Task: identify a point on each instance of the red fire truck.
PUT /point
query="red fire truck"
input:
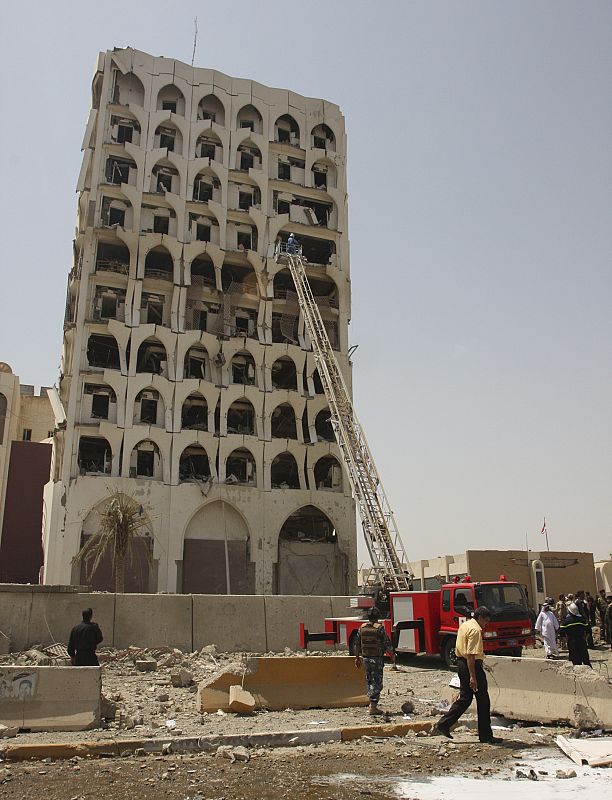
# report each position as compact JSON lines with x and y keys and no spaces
{"x":427,"y":621}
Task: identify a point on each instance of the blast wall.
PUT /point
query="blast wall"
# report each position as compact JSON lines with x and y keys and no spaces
{"x":43,"y":615}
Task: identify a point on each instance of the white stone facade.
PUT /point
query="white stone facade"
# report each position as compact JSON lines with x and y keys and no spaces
{"x":187,"y":377}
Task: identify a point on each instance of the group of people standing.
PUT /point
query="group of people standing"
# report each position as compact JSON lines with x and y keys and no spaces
{"x":573,"y":617}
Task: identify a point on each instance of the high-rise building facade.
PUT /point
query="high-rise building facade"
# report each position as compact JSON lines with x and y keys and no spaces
{"x":187,"y":378}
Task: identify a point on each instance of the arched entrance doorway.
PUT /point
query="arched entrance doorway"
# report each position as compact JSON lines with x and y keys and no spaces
{"x":309,"y":559}
{"x":216,"y":552}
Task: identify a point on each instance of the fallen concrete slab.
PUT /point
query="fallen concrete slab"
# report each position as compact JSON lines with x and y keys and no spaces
{"x":594,"y":752}
{"x":548,"y":691}
{"x":278,"y":683}
{"x":50,"y":698}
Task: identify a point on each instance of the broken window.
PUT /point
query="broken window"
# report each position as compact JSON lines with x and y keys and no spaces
{"x":323,"y":137}
{"x":249,"y":117}
{"x":127,"y":89}
{"x":167,"y":137}
{"x":169,"y":105}
{"x":210,"y":107}
{"x":245,"y":200}
{"x":103,"y":351}
{"x":244,"y":240}
{"x":194,"y":415}
{"x":118,"y":170}
{"x":95,"y":455}
{"x":171,"y":99}
{"x":314,"y":250}
{"x":202,"y":232}
{"x":245,"y":323}
{"x":101,"y":398}
{"x":116,"y":216}
{"x":159,"y":264}
{"x":308,"y":524}
{"x":287,"y":130}
{"x":151,"y":357}
{"x":318,"y":383}
{"x":284,"y":374}
{"x":161,"y":224}
{"x":196,"y":360}
{"x":284,"y":171}
{"x":241,"y":418}
{"x":207,"y":145}
{"x":112,"y":258}
{"x":145,"y":461}
{"x":328,"y":474}
{"x":283,"y":422}
{"x":285,"y":328}
{"x":203,"y":271}
{"x":284,"y":472}
{"x":194,"y":464}
{"x":243,"y":369}
{"x":323,"y":426}
{"x":320,"y":178}
{"x":163,"y":177}
{"x":124,"y":133}
{"x":283,"y":207}
{"x":147,"y":400}
{"x":26,"y":435}
{"x":108,"y":308}
{"x":240,"y":468}
{"x":332,"y":333}
{"x":203,"y":190}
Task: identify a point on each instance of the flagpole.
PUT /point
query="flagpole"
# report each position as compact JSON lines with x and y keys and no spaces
{"x":547,"y":547}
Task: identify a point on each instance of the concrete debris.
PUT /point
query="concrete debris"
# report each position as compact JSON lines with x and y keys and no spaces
{"x":8,"y":733}
{"x":565,"y":773}
{"x":241,"y":701}
{"x":594,"y":752}
{"x":181,"y":678}
{"x":233,"y":753}
{"x":108,"y":707}
{"x":146,"y":664}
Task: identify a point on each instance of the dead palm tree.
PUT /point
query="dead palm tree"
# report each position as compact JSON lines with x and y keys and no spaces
{"x":123,"y":524}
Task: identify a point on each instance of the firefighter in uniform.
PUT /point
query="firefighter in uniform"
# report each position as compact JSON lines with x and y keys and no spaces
{"x":372,"y":644}
{"x":577,"y":631}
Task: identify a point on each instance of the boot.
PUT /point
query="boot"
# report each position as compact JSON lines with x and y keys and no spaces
{"x":374,"y":710}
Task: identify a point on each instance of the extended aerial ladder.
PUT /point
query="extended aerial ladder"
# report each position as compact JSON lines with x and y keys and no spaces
{"x":389,"y":560}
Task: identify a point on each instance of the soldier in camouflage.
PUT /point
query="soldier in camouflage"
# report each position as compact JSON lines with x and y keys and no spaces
{"x":371,"y":646}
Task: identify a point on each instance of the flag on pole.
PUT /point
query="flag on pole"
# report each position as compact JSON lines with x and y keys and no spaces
{"x":544,"y":526}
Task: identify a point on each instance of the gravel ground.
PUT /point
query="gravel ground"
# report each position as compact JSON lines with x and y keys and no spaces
{"x":147,"y":700}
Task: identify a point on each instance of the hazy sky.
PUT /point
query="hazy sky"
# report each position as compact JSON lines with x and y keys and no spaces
{"x":480,"y":173}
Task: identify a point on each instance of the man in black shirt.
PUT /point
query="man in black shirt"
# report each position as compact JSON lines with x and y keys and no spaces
{"x":84,"y":638}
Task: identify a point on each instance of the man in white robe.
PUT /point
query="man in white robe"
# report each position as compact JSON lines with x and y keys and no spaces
{"x":547,"y":626}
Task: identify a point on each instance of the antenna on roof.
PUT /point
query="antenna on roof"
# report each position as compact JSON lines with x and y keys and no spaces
{"x":195,"y":39}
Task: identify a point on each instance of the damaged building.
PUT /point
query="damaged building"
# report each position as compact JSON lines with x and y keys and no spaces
{"x":187,"y":377}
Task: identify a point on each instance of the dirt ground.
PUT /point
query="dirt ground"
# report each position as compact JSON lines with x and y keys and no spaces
{"x":147,"y":701}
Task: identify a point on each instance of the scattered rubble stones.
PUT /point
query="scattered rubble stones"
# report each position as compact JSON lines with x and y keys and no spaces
{"x":181,"y":678}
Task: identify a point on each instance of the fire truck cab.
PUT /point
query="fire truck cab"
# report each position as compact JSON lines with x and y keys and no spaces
{"x":427,"y":621}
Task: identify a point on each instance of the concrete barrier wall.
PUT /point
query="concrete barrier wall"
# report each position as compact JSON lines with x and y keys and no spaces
{"x":50,"y":698}
{"x":42,"y":615}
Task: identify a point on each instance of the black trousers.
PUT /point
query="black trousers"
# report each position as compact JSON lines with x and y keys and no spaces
{"x":466,"y":695}
{"x":86,"y":659}
{"x":578,"y":650}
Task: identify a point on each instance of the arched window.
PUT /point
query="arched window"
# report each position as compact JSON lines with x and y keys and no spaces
{"x":249,"y":117}
{"x":240,"y":468}
{"x":210,"y":107}
{"x":165,"y":178}
{"x":193,"y":465}
{"x":149,"y":408}
{"x":284,"y":374}
{"x":194,"y":414}
{"x":159,"y":264}
{"x":283,"y":422}
{"x":168,"y":137}
{"x":95,"y":456}
{"x":206,"y":186}
{"x":151,"y":357}
{"x":128,"y":89}
{"x":328,"y":474}
{"x":171,"y":99}
{"x":145,"y":461}
{"x":197,"y":364}
{"x":209,"y":145}
{"x":323,"y":426}
{"x":323,"y":137}
{"x":103,"y":352}
{"x":203,"y":271}
{"x":287,"y":131}
{"x":241,"y":418}
{"x":248,"y":156}
{"x":324,"y":175}
{"x":284,"y":472}
{"x":243,"y":369}
{"x":112,"y":258}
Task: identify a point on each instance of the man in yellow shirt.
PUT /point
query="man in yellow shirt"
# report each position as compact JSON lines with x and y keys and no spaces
{"x":470,"y":657}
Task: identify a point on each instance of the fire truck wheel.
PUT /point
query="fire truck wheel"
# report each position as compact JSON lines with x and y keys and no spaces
{"x":448,"y":652}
